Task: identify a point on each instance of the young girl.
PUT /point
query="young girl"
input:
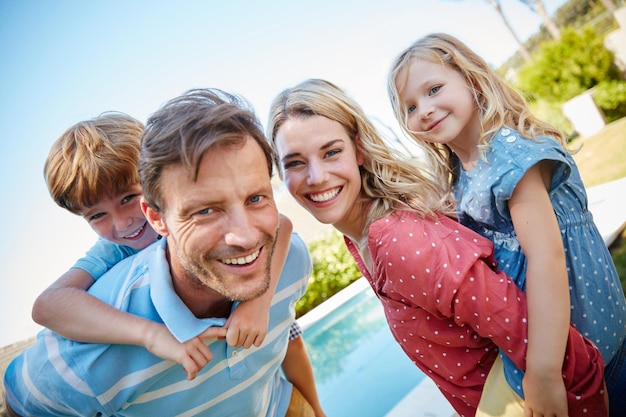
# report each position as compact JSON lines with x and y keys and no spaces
{"x":516,"y":184}
{"x":445,"y":305}
{"x":92,"y":170}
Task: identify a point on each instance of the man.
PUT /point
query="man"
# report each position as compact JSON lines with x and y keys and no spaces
{"x":205,"y":171}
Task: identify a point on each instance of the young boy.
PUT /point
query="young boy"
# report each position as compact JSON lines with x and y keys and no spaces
{"x":92,"y":171}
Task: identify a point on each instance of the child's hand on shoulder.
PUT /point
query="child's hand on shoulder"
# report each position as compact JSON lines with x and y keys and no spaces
{"x":247,"y":325}
{"x":193,"y":354}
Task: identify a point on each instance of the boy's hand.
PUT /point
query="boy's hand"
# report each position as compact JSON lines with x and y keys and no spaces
{"x":193,"y":355}
{"x":248,"y":323}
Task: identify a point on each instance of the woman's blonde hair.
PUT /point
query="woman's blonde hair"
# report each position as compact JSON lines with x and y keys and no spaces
{"x":497,"y":103}
{"x":94,"y":159}
{"x":390,"y":180}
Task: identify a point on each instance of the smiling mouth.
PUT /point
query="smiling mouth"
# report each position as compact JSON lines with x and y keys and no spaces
{"x":435,"y":124}
{"x":136,"y":233}
{"x":325,"y":196}
{"x":242,"y":260}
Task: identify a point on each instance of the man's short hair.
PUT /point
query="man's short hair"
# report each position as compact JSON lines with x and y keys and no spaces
{"x":186,"y":127}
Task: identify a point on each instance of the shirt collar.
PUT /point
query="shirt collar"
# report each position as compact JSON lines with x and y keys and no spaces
{"x":180,"y":321}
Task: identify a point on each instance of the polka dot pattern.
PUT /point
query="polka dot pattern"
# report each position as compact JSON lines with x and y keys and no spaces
{"x":449,"y":309}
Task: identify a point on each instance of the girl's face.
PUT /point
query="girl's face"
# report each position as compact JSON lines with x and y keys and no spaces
{"x":440,"y":104}
{"x":119,"y":219}
{"x":320,"y":167}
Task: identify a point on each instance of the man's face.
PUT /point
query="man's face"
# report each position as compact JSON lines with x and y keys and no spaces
{"x":220,"y":229}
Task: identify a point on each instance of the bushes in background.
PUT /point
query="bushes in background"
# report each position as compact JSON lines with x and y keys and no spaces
{"x":562,"y":69}
{"x":333,"y":269}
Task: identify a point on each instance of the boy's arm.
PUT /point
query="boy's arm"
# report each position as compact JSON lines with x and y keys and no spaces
{"x":299,"y":371}
{"x":67,"y":309}
{"x":547,"y":289}
{"x":248,"y":323}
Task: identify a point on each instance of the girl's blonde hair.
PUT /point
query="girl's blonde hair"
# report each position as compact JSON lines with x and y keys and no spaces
{"x":497,"y":103}
{"x":390,"y":180}
{"x":94,"y":159}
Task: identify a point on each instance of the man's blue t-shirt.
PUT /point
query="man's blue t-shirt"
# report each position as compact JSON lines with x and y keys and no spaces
{"x":60,"y":377}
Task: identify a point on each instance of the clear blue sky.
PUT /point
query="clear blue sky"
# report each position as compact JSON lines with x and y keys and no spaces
{"x":64,"y":61}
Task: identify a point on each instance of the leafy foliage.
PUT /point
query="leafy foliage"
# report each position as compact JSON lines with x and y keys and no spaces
{"x":578,"y":13}
{"x":564,"y":68}
{"x":575,"y":13}
{"x":333,"y":269}
{"x":610,"y":96}
{"x":553,"y":113}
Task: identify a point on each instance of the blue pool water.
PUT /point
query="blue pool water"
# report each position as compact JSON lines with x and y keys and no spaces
{"x":359,"y":368}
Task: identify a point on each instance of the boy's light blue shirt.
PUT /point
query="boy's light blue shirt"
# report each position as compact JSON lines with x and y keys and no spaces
{"x":102,"y":256}
{"x":60,"y":377}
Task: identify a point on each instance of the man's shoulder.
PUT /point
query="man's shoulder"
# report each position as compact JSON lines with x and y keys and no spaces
{"x":296,"y":243}
{"x":298,"y":263}
{"x":298,"y":250}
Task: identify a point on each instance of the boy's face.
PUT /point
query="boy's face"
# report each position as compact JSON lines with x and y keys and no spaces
{"x":119,"y":219}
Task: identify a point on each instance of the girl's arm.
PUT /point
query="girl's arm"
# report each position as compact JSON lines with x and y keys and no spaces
{"x":547,"y":289}
{"x":248,"y":323}
{"x":67,"y":309}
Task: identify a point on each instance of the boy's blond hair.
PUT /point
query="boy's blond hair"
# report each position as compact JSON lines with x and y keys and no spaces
{"x":94,"y":159}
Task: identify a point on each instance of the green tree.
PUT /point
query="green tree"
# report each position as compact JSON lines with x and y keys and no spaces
{"x":609,"y":5}
{"x":610,"y":96}
{"x":564,"y":68}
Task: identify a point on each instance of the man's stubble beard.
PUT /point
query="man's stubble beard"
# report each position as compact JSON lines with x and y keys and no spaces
{"x":195,"y":267}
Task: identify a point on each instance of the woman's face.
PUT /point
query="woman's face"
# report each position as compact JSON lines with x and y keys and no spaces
{"x":320,"y":167}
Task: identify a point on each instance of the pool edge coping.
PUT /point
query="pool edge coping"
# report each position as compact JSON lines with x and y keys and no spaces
{"x":323,"y":309}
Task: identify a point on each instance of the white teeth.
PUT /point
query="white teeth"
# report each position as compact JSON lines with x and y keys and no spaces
{"x":243,"y":260}
{"x":135,"y":234}
{"x":320,"y":198}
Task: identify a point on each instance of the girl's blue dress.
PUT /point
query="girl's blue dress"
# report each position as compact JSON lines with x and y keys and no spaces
{"x":598,"y":306}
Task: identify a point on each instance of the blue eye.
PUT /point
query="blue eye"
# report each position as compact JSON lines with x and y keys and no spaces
{"x":205,"y":211}
{"x":434,"y":90}
{"x":410,"y":109}
{"x":291,"y":164}
{"x":255,"y":199}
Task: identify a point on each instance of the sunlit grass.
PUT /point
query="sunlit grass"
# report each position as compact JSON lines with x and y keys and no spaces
{"x":602,"y":157}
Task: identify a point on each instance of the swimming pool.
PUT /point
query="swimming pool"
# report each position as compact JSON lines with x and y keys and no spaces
{"x":359,"y":368}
